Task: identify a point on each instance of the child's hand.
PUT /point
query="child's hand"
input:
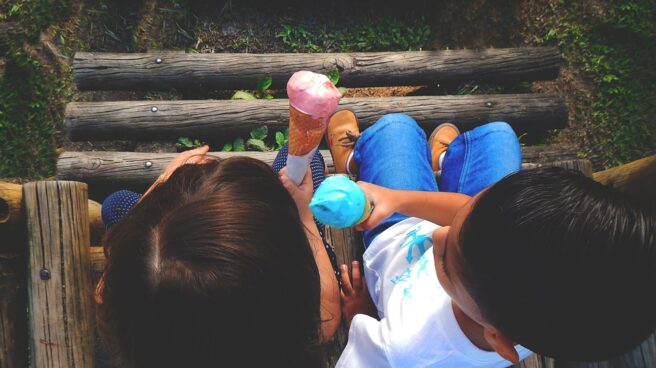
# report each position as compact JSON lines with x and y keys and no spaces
{"x":302,"y":194}
{"x":355,"y":296}
{"x":383,"y":203}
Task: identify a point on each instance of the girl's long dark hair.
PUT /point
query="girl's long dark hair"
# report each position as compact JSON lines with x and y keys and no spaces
{"x":212,"y":268}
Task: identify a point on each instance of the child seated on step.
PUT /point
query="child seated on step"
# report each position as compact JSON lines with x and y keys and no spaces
{"x":217,"y":266}
{"x":498,"y":257}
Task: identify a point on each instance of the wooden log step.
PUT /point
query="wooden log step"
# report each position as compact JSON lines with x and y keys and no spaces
{"x":153,"y":71}
{"x":206,"y":119}
{"x":138,"y":169}
{"x":637,"y":179}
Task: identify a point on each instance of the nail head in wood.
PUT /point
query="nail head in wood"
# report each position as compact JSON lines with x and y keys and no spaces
{"x":154,"y":109}
{"x":158,"y":61}
{"x":44,"y":274}
{"x":488,"y":104}
{"x":148,"y":164}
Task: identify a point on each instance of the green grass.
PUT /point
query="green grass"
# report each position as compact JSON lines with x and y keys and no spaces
{"x":30,"y":96}
{"x":385,"y":35}
{"x":616,"y":51}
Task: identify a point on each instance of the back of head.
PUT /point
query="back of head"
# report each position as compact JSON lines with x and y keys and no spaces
{"x":561,"y":264}
{"x":212,"y":268}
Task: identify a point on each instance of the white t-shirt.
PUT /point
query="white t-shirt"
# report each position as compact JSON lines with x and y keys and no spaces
{"x":417,"y":326}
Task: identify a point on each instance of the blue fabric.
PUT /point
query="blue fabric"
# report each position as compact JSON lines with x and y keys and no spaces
{"x":394,"y":153}
{"x":116,"y":205}
{"x":479,"y":158}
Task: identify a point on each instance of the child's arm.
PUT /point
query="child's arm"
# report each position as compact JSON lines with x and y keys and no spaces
{"x":330,"y":303}
{"x":436,"y":207}
{"x":355,"y":296}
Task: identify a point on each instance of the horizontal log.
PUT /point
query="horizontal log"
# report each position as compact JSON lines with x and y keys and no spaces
{"x":11,"y":196}
{"x":206,"y":119}
{"x":110,"y":71}
{"x":138,"y":169}
{"x":637,"y":179}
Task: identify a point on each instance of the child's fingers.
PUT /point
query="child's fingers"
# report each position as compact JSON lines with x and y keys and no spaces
{"x":355,"y":275}
{"x":346,"y":281}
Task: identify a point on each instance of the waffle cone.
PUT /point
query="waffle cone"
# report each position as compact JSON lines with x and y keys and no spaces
{"x":367,"y":211}
{"x":305,"y":132}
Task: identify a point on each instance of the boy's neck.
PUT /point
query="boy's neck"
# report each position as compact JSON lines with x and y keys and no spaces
{"x":472,"y":329}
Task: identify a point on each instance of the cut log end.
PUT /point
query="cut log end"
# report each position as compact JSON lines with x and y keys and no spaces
{"x":4,"y":211}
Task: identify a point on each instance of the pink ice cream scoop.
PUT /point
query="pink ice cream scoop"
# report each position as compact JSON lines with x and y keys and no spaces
{"x":313,"y":94}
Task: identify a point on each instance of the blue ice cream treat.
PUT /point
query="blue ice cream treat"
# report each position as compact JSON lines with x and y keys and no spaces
{"x":339,"y":202}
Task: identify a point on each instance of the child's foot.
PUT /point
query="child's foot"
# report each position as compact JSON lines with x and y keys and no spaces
{"x":342,"y":133}
{"x":439,"y":141}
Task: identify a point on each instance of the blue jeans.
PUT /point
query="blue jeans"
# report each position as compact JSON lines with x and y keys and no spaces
{"x":394,"y":153}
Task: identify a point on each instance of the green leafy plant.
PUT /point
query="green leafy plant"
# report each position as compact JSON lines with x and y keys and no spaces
{"x":185,"y":144}
{"x":333,"y":75}
{"x":389,"y":35}
{"x":257,"y":141}
{"x":261,"y":91}
{"x":616,"y":55}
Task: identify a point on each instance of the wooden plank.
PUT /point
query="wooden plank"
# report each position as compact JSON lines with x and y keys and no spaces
{"x":13,"y":294}
{"x":137,"y":170}
{"x":61,"y":319}
{"x":108,"y":71}
{"x":152,"y":120}
{"x":348,"y":247}
{"x":11,"y":196}
{"x":637,"y":178}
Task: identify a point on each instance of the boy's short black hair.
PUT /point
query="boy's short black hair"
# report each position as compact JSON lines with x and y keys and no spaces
{"x":562,"y":264}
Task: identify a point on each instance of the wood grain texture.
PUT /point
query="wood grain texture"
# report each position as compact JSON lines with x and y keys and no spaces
{"x":13,"y":284}
{"x":61,"y":321}
{"x":11,"y":196}
{"x":108,"y":71}
{"x":135,"y":120}
{"x":130,"y":170}
{"x":637,"y":179}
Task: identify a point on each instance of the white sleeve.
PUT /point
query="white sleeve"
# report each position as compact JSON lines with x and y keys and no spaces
{"x":365,"y":347}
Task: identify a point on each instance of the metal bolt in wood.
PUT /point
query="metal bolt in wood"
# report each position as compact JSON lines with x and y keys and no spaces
{"x":44,"y":274}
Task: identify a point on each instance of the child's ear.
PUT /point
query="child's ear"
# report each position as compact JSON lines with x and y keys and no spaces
{"x":501,"y":344}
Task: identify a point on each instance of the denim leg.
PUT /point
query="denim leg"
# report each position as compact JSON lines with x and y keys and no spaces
{"x":479,"y":158}
{"x":394,"y":153}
